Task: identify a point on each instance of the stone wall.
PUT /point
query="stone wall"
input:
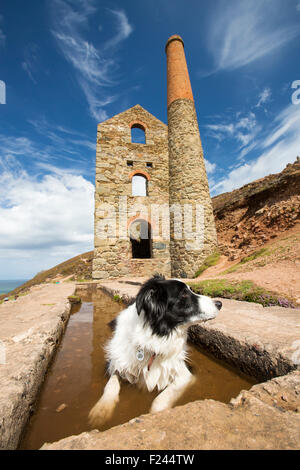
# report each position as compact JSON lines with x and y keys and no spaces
{"x":117,"y":160}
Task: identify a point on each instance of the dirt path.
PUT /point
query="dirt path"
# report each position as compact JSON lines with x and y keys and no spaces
{"x":283,"y":278}
{"x":277,"y":270}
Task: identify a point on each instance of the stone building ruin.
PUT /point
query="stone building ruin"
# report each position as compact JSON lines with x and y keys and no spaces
{"x":142,"y":181}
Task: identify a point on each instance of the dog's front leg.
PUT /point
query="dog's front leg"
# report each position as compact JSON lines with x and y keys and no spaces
{"x":104,"y":407}
{"x":173,"y":392}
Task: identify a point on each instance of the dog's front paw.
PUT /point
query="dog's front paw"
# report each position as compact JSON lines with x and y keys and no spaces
{"x":101,"y":413}
{"x":159,"y":404}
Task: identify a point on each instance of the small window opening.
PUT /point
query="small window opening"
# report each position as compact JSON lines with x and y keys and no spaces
{"x":129,"y":163}
{"x":139,"y":185}
{"x":140,"y":238}
{"x":149,"y":164}
{"x":138,"y":134}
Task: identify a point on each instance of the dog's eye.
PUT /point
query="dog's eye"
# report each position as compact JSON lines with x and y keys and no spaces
{"x":185,"y":294}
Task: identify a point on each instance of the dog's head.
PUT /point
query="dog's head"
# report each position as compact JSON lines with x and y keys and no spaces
{"x":167,"y":304}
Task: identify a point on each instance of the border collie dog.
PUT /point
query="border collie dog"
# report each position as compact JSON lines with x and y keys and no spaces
{"x":149,"y":344}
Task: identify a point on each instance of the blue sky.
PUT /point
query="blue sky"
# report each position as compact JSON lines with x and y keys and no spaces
{"x":69,"y":64}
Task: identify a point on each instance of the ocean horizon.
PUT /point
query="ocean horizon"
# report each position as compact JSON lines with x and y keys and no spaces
{"x":10,"y":284}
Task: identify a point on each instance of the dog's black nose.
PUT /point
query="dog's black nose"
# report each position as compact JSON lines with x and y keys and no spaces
{"x":218,"y":304}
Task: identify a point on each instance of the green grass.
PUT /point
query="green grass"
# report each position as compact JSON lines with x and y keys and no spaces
{"x":117,"y":298}
{"x":256,"y":254}
{"x":246,"y":259}
{"x":211,"y":260}
{"x":240,"y":290}
{"x":221,"y":288}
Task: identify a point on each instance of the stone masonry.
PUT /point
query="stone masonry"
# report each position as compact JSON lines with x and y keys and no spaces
{"x":117,"y":161}
{"x":171,"y":163}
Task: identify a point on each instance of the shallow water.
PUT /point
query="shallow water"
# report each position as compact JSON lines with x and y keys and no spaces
{"x":76,"y":379}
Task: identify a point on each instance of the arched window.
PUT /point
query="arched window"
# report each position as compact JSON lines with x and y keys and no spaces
{"x":138,"y":134}
{"x":140,"y":238}
{"x":139,"y":185}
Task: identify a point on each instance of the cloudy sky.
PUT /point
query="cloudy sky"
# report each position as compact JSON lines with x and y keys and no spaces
{"x":69,"y":64}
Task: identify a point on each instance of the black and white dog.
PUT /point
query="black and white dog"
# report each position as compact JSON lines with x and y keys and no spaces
{"x":149,"y":344}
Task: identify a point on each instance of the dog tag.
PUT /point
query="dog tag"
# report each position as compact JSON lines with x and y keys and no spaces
{"x":140,"y":354}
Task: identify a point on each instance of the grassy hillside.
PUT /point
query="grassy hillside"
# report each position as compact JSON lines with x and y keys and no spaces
{"x":78,"y":268}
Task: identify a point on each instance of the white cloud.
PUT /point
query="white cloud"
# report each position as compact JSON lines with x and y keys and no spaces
{"x":242,"y":130}
{"x":95,"y":70}
{"x":66,"y":143}
{"x":48,"y":218}
{"x":29,"y":62}
{"x":264,"y":97}
{"x":13,"y":146}
{"x":43,"y":221}
{"x":210,"y":167}
{"x":124,"y":29}
{"x":280,"y":147}
{"x":61,"y":147}
{"x":287,"y":125}
{"x":221,"y":128}
{"x":244,"y":31}
{"x":26,"y":65}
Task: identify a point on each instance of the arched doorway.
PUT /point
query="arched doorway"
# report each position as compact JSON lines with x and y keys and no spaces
{"x":140,"y":238}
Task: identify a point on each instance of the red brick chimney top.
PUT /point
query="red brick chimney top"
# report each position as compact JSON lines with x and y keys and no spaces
{"x":178,"y":80}
{"x":175,"y":37}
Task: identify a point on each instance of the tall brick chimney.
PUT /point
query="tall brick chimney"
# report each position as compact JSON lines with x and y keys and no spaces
{"x":188,"y":179}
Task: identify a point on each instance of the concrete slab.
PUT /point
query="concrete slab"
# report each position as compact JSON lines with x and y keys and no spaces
{"x":30,"y":329}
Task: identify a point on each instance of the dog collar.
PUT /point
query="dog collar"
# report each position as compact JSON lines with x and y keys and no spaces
{"x":151,"y":360}
{"x":140,"y":357}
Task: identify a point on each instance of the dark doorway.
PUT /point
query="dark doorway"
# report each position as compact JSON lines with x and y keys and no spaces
{"x":140,"y":237}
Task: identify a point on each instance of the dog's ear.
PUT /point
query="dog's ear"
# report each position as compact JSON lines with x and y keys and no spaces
{"x":152,"y":299}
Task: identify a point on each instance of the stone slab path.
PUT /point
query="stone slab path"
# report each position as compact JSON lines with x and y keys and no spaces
{"x":30,"y":329}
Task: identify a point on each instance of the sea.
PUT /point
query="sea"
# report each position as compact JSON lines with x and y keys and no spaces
{"x":7,"y":286}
